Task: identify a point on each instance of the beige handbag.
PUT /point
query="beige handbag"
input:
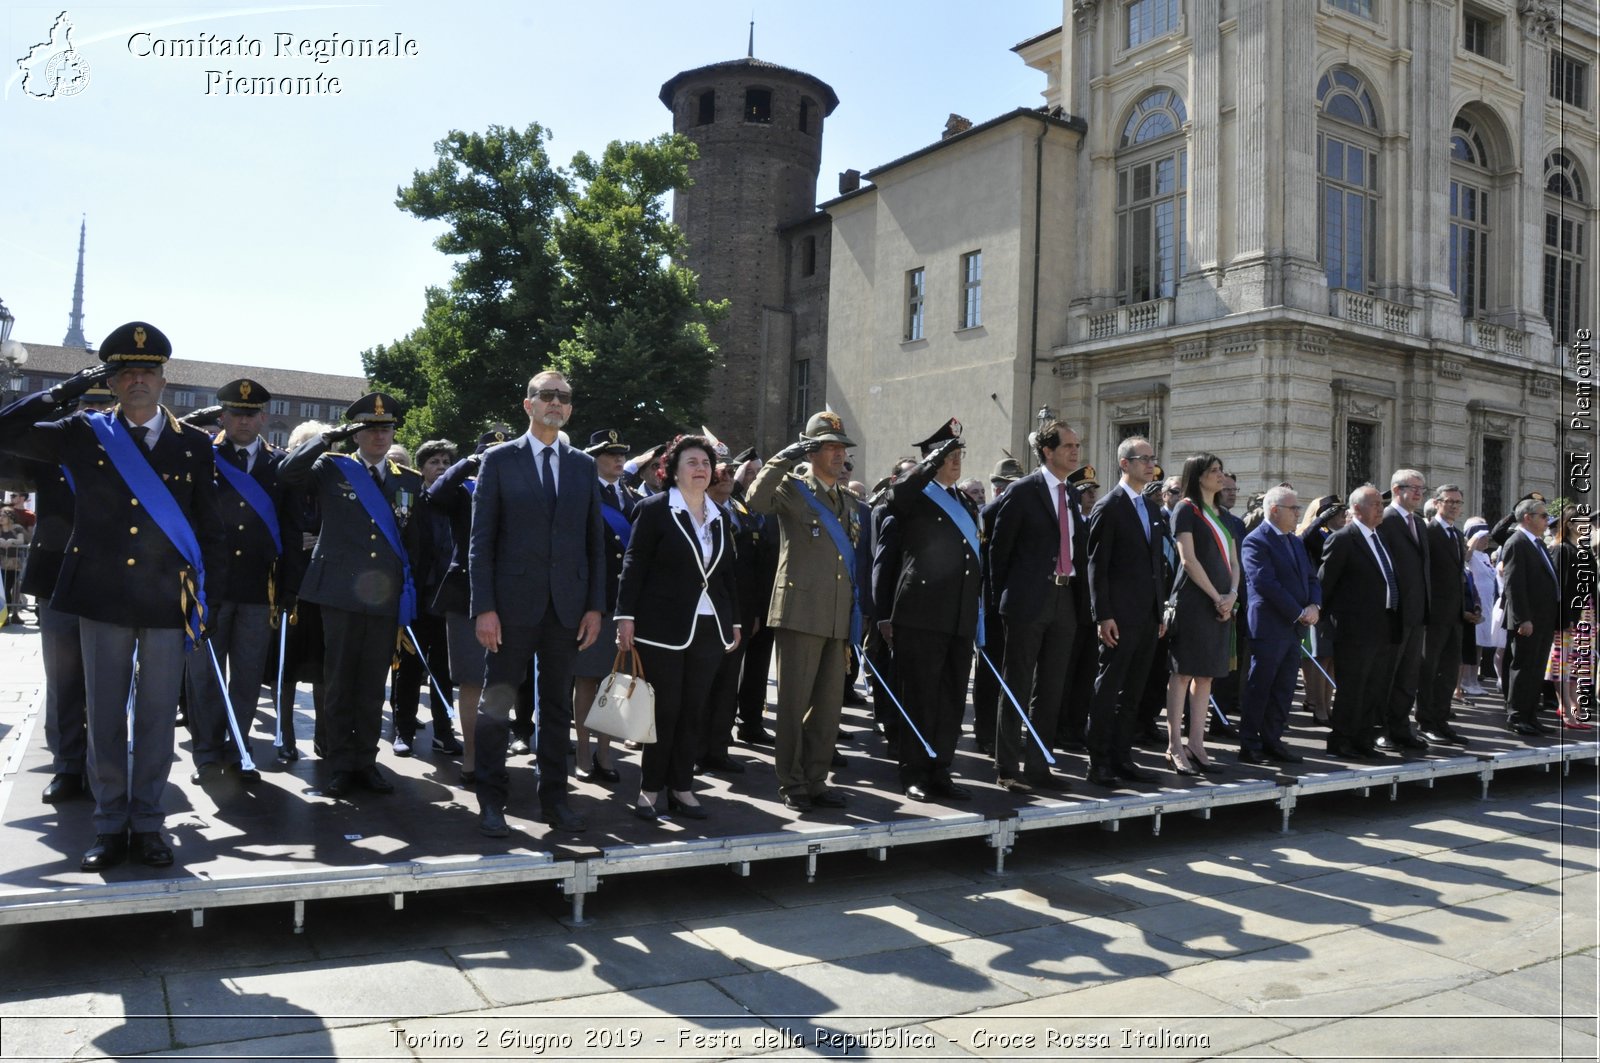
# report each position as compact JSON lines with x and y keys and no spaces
{"x":625,"y":707}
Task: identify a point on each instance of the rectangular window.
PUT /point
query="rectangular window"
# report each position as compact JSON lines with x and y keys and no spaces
{"x":1149,"y":19}
{"x":916,"y":290}
{"x":1360,"y":454}
{"x":808,"y":256}
{"x":1355,"y":7}
{"x":183,"y":398}
{"x":758,"y":105}
{"x":310,"y":410}
{"x":1126,"y":429}
{"x":1480,"y":33}
{"x":1494,"y":475}
{"x":800,"y":392}
{"x":1469,"y":247}
{"x":706,"y":108}
{"x":1348,"y":209}
{"x":278,"y":437}
{"x":279,"y":406}
{"x":972,"y":289}
{"x":1569,"y":80}
{"x":1563,"y":275}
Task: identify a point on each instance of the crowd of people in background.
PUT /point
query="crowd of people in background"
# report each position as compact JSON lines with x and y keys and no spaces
{"x":504,"y":584}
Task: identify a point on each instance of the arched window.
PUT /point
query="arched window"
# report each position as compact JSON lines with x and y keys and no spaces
{"x":1347,"y":169}
{"x":1470,"y":230}
{"x":1152,"y":174}
{"x":1565,"y":211}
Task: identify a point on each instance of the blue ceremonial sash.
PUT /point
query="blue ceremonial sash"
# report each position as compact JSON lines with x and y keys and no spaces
{"x":940,"y":496}
{"x":146,"y":485}
{"x":618,"y":522}
{"x":847,"y":551}
{"x":251,"y":492}
{"x":377,"y":507}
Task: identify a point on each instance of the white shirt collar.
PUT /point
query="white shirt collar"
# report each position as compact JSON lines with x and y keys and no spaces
{"x":1128,"y":488}
{"x":676,"y":501}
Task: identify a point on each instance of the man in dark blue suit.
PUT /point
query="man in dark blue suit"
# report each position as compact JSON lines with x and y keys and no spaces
{"x":1285,"y":599}
{"x":1362,"y":593}
{"x":538,"y":571}
{"x":1126,"y":567}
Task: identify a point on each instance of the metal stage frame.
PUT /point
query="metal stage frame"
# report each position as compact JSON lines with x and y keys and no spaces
{"x":580,"y":877}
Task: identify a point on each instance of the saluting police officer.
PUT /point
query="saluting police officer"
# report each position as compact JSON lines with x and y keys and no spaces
{"x":937,"y":605}
{"x":66,"y":728}
{"x":146,"y":547}
{"x":362,"y":573}
{"x":240,"y":626}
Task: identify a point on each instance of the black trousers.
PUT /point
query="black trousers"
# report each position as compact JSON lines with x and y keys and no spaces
{"x":357,"y":651}
{"x":1038,"y":661}
{"x":1364,"y":671}
{"x":66,"y":716}
{"x":1441,"y":671}
{"x":885,"y":689}
{"x":303,"y":652}
{"x":1526,"y":657}
{"x":1118,"y":688}
{"x":555,"y":646}
{"x":722,"y":705}
{"x":1072,"y":722}
{"x":753,"y":677}
{"x":932,"y":667}
{"x":986,"y":696}
{"x":411,"y":677}
{"x":1403,"y":684}
{"x":682,"y":681}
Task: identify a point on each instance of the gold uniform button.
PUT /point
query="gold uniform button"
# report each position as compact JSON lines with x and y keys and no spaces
{"x":135,"y":501}
{"x":241,"y":527}
{"x":372,"y":537}
{"x":99,"y":463}
{"x":133,"y":531}
{"x":372,"y":555}
{"x":238,"y":553}
{"x":130,"y":561}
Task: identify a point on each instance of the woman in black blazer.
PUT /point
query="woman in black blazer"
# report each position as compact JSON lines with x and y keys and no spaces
{"x":678,"y":603}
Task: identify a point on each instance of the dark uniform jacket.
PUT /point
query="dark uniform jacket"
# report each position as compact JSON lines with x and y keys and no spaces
{"x":940,"y":585}
{"x":353,"y":566}
{"x":119,"y":567}
{"x":754,"y":592}
{"x":53,"y":505}
{"x":253,"y":557}
{"x":614,"y":548}
{"x":450,"y":497}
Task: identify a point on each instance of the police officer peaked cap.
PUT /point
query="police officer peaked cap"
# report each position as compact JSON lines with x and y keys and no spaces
{"x":951,"y":429}
{"x":747,"y":454}
{"x":827,"y":428}
{"x":606,"y":441}
{"x":374,"y":409}
{"x":1006,"y":470}
{"x":493,"y":437}
{"x":136,"y":343}
{"x":244,"y":395}
{"x":1083,"y":476}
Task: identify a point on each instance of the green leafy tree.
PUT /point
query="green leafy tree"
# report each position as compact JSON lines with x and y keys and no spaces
{"x":568,"y":268}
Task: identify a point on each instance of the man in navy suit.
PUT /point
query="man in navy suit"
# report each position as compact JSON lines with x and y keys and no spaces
{"x":1362,"y":594}
{"x":1407,"y":542}
{"x":1532,"y":602}
{"x":538,"y":571}
{"x":1038,"y":564}
{"x":1285,"y":599}
{"x":1125,"y":596}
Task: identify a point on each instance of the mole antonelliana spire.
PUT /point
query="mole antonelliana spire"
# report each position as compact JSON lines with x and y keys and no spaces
{"x":74,"y":337}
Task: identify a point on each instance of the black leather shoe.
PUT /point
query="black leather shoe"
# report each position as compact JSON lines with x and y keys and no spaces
{"x":829,"y":799}
{"x":1131,"y":772}
{"x":755,"y":736}
{"x":1411,"y":741}
{"x":150,"y":849}
{"x":917,"y":792}
{"x":244,"y":774}
{"x":722,"y":764}
{"x":1250,"y":756}
{"x":947,"y":789}
{"x":340,"y":784}
{"x":1367,"y":749}
{"x":373,"y":778}
{"x":108,"y":851}
{"x":679,"y":808}
{"x":402,"y":745}
{"x":64,"y":787}
{"x":205,"y":774}
{"x":1345,"y":750}
{"x":288,"y":754}
{"x":644,"y":812}
{"x":1223,"y":730}
{"x":1523,"y":727}
{"x":492,"y":822}
{"x":1045,"y":780}
{"x":1386,"y":744}
{"x":1104,"y":777}
{"x":519,"y":747}
{"x":1444,"y":736}
{"x":448,"y":744}
{"x":597,"y":771}
{"x":562,"y":818}
{"x":467,"y":777}
{"x":1284,"y":755}
{"x":797,"y":803}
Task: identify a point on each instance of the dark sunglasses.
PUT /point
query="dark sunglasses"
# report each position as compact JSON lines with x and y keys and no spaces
{"x":553,"y":395}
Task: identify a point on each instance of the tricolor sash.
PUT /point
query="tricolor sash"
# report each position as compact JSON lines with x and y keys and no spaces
{"x":617,"y":521}
{"x":252,"y":492}
{"x":146,"y":485}
{"x":382,"y":515}
{"x":964,"y":523}
{"x":847,"y":552}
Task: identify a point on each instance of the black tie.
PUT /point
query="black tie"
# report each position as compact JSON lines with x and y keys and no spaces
{"x":241,"y":458}
{"x":616,"y":495}
{"x":377,"y":477}
{"x":141,"y":435}
{"x":550,"y":481}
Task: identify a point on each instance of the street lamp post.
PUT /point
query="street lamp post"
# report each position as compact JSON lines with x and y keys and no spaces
{"x":14,"y":354}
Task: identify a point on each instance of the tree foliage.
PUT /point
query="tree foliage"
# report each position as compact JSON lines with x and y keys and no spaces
{"x":567,"y":267}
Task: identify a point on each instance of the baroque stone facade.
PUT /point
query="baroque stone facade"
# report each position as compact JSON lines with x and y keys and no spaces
{"x":1320,"y":238}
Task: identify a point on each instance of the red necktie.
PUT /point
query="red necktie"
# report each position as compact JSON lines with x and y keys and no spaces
{"x":1064,"y":556}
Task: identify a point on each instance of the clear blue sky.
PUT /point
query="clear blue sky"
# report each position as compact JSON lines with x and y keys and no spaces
{"x":262,"y":230}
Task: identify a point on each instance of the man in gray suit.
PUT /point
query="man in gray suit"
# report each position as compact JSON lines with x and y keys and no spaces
{"x":538,"y":571}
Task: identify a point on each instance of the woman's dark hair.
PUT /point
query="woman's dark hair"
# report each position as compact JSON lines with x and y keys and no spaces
{"x":1566,"y":530}
{"x":433,"y":447}
{"x":667,"y":468}
{"x":1193,"y":469}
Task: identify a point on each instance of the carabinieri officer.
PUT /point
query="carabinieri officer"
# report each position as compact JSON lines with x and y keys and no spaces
{"x":361,"y":573}
{"x":146,"y":548}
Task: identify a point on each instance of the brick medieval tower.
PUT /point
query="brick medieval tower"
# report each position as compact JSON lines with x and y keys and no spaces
{"x":751,"y":223}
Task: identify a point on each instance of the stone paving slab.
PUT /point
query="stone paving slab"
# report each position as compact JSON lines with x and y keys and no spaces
{"x":795,"y":936}
{"x":1558,"y":988}
{"x":1451,"y":1025}
{"x":72,"y":1023}
{"x":1018,"y":903}
{"x":1248,"y":921}
{"x":589,"y":961}
{"x":1505,"y":931}
{"x":1406,"y":887}
{"x":375,"y":1041}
